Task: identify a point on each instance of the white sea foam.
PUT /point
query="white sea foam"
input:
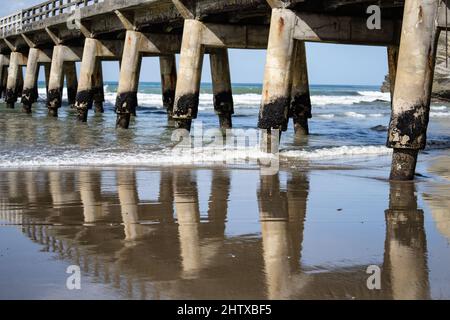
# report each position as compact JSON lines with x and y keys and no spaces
{"x":438,"y":108}
{"x":338,"y":152}
{"x":168,"y":157}
{"x":246,"y":100}
{"x":440,"y":114}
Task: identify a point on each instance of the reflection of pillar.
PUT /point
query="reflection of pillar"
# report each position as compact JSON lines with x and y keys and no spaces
{"x":406,"y":248}
{"x":297,"y":197}
{"x":218,"y":201}
{"x":90,"y":195}
{"x":128,"y":197}
{"x":188,"y":215}
{"x":166,"y":195}
{"x":31,"y":187}
{"x":275,"y":235}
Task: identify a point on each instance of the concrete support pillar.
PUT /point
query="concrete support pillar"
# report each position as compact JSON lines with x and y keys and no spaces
{"x":126,"y":102}
{"x":406,"y":247}
{"x":300,"y":109}
{"x":84,"y":98}
{"x":4,"y":64}
{"x":392,"y":53}
{"x":189,"y":75}
{"x":168,"y":81}
{"x":277,"y":84}
{"x":56,"y":82}
{"x":70,"y":71}
{"x":221,"y":80}
{"x":30,"y":90}
{"x":98,"y":90}
{"x":47,"y":69}
{"x":13,"y":86}
{"x":413,"y":83}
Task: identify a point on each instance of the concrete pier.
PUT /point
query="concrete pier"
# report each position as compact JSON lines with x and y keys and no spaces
{"x":412,"y":93}
{"x":130,"y":30}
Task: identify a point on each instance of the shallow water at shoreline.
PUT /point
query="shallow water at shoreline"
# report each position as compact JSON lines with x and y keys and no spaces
{"x":221,"y":233}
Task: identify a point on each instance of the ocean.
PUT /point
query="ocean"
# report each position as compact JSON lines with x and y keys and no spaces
{"x":349,"y":123}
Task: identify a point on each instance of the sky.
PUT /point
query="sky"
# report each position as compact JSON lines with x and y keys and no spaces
{"x":327,"y":63}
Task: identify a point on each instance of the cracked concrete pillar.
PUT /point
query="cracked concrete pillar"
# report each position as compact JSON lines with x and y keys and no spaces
{"x":13,"y":86}
{"x":221,"y":81}
{"x":277,"y":84}
{"x":189,"y":75}
{"x":300,"y":108}
{"x":30,"y":90}
{"x":98,"y":90}
{"x":168,"y":81}
{"x":126,"y":102}
{"x":84,"y":98}
{"x":413,"y":83}
{"x":56,"y":81}
{"x":70,"y":71}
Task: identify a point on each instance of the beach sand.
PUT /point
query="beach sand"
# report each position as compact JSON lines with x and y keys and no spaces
{"x":221,"y":233}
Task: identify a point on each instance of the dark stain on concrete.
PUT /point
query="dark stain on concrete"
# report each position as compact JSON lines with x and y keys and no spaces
{"x":274,"y":115}
{"x":187,"y":106}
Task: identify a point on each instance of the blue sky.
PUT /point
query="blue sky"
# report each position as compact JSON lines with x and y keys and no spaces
{"x":327,"y":63}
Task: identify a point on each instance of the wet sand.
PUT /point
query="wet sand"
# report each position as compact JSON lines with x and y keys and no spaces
{"x":217,"y":233}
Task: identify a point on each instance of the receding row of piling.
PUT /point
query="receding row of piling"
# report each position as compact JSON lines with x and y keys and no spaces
{"x":285,"y":93}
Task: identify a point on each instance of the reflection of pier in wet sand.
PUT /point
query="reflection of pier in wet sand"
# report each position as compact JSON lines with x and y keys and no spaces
{"x":177,"y":245}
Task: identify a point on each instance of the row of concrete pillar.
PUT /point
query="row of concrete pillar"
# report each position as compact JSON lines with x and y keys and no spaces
{"x":285,"y":91}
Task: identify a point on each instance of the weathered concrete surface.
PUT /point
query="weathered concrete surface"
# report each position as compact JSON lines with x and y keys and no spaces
{"x":276,"y":95}
{"x":300,"y":108}
{"x":190,"y":70}
{"x":221,"y":81}
{"x":441,"y":82}
{"x":15,"y":78}
{"x":168,"y":69}
{"x":412,"y":95}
